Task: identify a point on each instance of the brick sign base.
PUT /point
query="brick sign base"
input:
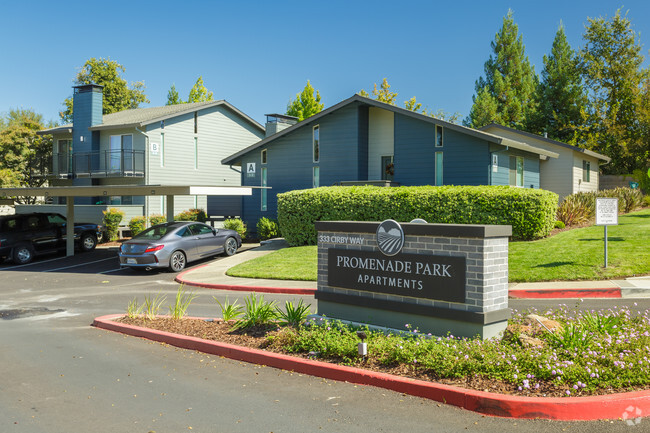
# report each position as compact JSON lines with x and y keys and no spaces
{"x":447,"y":278}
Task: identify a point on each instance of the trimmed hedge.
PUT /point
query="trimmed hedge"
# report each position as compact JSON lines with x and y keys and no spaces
{"x":530,"y":212}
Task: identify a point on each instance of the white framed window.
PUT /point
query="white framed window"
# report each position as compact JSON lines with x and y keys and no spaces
{"x":264,"y":174}
{"x":120,"y":155}
{"x":263,"y":156}
{"x":316,"y":177}
{"x":439,"y":167}
{"x":439,"y":136}
{"x":516,"y":172}
{"x":196,"y":122}
{"x":387,"y":167}
{"x":586,"y":169}
{"x":316,"y":143}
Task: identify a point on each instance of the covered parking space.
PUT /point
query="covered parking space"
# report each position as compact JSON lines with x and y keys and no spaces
{"x":169,"y":191}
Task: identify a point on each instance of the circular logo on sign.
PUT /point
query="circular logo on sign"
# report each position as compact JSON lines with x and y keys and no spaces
{"x":390,"y":237}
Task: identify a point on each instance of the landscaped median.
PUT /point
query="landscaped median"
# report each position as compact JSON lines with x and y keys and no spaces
{"x":584,"y":366}
{"x":613,"y":406}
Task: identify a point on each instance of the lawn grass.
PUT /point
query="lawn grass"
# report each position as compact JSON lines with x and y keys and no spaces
{"x":579,"y":254}
{"x":297,"y":263}
{"x":571,"y":255}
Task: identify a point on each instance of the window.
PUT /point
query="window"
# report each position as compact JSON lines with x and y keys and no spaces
{"x":162,"y":124}
{"x":438,"y":136}
{"x":439,"y":178}
{"x":387,"y":168}
{"x":64,"y":157}
{"x":316,"y":177}
{"x":196,"y":153}
{"x":196,"y":122}
{"x":162,"y":150}
{"x":264,"y":197}
{"x":516,"y":173}
{"x":121,"y":152}
{"x":586,"y":169}
{"x":200,"y":229}
{"x":263,"y":156}
{"x":316,"y":143}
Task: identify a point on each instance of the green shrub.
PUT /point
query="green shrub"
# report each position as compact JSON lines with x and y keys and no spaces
{"x":530,"y":212}
{"x":646,"y":200}
{"x":559,"y":225}
{"x":577,"y":208}
{"x":192,"y":215}
{"x":237,"y":225}
{"x":136,"y":225}
{"x":267,"y":229}
{"x":157,"y":219}
{"x":112,"y":219}
{"x":628,"y":198}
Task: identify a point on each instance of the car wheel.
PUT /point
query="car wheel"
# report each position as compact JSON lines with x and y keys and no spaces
{"x":177,"y":261}
{"x":88,"y":242}
{"x":23,"y":254}
{"x":230,"y":247}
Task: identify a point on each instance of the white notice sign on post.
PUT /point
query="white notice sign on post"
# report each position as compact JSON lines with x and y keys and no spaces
{"x":606,"y":211}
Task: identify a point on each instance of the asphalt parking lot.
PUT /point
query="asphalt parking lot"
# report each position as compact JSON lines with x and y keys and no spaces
{"x":57,"y":373}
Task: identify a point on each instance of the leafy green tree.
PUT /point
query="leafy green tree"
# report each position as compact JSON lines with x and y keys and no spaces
{"x":611,"y":65}
{"x":509,"y":82}
{"x":117,"y":94}
{"x":306,"y":104}
{"x":383,"y":94}
{"x":560,"y":96}
{"x":199,"y":93}
{"x":172,"y":96}
{"x":25,"y":153}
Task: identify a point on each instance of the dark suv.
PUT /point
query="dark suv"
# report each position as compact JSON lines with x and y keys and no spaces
{"x":22,"y":236}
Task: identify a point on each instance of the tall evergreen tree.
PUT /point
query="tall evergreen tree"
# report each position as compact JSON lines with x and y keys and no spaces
{"x":173,"y":98}
{"x":306,"y":104}
{"x":611,"y":63}
{"x":560,"y":97}
{"x":509,"y":82}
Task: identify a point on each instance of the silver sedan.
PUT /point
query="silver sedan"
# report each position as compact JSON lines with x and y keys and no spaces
{"x":172,"y":245}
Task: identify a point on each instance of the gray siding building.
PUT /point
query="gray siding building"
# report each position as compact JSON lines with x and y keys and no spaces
{"x":361,"y":140}
{"x":171,"y":145}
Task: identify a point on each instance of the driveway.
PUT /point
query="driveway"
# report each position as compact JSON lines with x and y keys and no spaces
{"x":58,"y":374}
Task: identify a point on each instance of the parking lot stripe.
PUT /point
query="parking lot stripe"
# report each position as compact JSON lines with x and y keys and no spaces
{"x":32,"y":263}
{"x":80,"y":264}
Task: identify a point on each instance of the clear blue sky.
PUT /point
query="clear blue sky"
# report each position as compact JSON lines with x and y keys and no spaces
{"x":258,"y":55}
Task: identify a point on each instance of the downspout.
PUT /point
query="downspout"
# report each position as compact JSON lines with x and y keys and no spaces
{"x":146,"y":175}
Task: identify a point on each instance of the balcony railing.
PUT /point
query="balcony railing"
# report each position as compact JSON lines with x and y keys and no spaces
{"x":108,"y":163}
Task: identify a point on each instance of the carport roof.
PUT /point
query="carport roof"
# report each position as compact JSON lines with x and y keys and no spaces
{"x":98,"y":190}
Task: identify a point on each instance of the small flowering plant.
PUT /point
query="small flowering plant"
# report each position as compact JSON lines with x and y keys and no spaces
{"x":591,"y":353}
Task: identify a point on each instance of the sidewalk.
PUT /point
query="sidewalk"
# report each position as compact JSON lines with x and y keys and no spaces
{"x":213,"y":276}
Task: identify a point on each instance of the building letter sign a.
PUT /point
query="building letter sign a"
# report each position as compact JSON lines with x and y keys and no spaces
{"x":250,"y":169}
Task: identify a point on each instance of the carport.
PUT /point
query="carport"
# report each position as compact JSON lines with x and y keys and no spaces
{"x":169,"y":191}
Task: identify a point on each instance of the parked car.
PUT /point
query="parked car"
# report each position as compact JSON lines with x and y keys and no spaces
{"x":174,"y":244}
{"x":23,"y":236}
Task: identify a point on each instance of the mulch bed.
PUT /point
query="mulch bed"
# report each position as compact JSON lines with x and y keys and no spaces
{"x":217,"y":330}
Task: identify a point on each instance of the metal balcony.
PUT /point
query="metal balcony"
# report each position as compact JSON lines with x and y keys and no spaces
{"x":108,"y":163}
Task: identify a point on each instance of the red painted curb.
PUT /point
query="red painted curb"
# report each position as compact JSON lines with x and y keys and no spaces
{"x":565,"y":409}
{"x":564,"y":293}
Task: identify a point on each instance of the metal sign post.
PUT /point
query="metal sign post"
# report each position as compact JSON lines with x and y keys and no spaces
{"x":606,"y":215}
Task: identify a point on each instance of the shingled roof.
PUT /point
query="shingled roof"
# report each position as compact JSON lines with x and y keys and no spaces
{"x":144,"y":116}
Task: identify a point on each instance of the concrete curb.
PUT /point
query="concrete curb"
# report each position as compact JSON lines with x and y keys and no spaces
{"x":181,"y":278}
{"x":565,"y":409}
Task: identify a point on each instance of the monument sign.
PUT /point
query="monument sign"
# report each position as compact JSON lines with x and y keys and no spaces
{"x":438,"y":278}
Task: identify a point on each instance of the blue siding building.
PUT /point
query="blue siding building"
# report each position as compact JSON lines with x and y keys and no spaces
{"x":361,"y":140}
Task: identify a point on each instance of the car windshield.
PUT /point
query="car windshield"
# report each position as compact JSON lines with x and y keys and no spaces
{"x":154,"y":233}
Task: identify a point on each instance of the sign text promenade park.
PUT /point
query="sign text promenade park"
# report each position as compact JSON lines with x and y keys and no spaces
{"x":438,"y":277}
